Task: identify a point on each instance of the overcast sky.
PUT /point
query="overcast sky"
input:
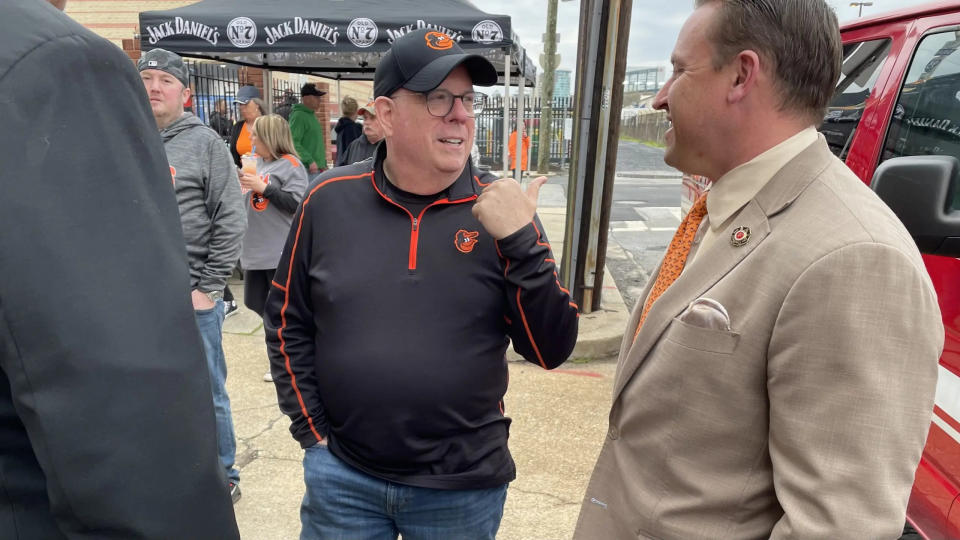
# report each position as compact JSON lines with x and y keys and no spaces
{"x":654,"y":25}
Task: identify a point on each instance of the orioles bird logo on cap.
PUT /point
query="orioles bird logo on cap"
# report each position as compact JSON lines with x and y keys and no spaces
{"x":438,"y":41}
{"x":466,"y":240}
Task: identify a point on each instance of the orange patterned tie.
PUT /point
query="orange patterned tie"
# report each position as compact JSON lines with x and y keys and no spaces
{"x":676,"y":255}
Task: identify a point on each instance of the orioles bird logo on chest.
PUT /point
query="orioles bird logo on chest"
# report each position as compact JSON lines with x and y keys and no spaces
{"x":466,"y":240}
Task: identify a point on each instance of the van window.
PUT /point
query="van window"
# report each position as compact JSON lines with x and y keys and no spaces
{"x":858,"y":75}
{"x":926,"y":120}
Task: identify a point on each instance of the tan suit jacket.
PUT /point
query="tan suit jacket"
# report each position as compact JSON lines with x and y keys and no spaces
{"x":807,"y":418}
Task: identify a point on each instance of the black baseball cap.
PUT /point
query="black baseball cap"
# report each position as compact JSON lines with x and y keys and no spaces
{"x":422,"y":59}
{"x":310,"y":89}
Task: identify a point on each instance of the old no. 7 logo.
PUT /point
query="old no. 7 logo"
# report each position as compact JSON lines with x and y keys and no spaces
{"x":466,"y":240}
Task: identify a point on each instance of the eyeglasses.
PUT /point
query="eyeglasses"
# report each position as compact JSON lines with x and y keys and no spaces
{"x":440,"y":102}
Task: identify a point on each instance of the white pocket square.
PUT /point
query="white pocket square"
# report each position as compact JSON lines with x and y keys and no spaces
{"x":706,"y":313}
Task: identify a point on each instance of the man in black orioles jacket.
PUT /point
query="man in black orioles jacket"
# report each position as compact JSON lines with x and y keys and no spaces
{"x":401,"y":281}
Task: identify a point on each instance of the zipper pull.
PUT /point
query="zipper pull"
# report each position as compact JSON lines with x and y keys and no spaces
{"x":415,"y":223}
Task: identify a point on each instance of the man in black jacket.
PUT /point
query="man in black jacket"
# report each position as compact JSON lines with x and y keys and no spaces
{"x":105,"y":409}
{"x":220,"y":119}
{"x":401,"y":284}
{"x":347,"y":128}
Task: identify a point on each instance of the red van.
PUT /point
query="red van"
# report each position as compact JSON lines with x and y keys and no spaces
{"x":895,"y":121}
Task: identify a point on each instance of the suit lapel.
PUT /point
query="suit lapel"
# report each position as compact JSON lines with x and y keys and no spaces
{"x":631,"y":328}
{"x":707,"y":269}
{"x":718,"y":259}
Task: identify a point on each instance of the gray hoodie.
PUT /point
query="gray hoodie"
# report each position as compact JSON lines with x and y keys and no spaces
{"x":208,"y":194}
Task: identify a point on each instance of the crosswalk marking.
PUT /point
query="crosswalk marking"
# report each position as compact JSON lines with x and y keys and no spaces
{"x":666,"y":218}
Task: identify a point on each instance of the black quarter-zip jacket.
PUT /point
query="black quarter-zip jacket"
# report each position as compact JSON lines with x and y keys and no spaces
{"x":387,"y":330}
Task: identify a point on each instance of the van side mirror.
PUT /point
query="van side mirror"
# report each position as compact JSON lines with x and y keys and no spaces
{"x":920,"y":190}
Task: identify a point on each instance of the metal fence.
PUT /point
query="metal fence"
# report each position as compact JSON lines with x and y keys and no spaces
{"x":212,"y":82}
{"x":285,"y":95}
{"x":645,"y":125}
{"x":490,"y":132}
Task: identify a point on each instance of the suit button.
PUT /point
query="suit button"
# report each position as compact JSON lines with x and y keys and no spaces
{"x":614,"y":433}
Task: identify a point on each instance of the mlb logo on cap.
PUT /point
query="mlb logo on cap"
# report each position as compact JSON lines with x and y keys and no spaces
{"x":152,"y":63}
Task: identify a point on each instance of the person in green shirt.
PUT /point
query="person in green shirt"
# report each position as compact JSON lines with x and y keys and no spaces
{"x":306,"y":129}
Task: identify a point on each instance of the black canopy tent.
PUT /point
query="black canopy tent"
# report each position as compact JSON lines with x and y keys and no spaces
{"x":335,"y":39}
{"x":329,"y":38}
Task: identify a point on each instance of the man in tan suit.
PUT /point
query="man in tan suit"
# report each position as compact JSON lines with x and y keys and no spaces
{"x":781,"y":386}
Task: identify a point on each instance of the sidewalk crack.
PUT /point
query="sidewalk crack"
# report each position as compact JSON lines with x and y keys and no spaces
{"x":558,"y":501}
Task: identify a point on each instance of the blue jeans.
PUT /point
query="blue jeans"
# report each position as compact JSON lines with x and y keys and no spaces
{"x":344,"y":503}
{"x":210,"y":323}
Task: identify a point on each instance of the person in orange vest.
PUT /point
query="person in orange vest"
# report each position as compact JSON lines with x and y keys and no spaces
{"x":512,"y":151}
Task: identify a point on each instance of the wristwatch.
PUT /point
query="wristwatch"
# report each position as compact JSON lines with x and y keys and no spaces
{"x":213,"y":295}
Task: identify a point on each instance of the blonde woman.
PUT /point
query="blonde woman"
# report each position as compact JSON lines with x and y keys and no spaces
{"x":275,"y":192}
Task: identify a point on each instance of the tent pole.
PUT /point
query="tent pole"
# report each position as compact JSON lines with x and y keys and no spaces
{"x":521,"y":110}
{"x":506,"y":112}
{"x":268,"y":90}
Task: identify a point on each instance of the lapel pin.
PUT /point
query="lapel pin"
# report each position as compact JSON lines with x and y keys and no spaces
{"x":740,"y":236}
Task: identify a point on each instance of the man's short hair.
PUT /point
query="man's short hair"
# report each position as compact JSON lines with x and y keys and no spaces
{"x":348,"y":106}
{"x":800,"y":39}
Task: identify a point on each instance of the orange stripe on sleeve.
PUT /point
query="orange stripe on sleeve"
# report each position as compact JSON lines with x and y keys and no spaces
{"x":526,"y":327}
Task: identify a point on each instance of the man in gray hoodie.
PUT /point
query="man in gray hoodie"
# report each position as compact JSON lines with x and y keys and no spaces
{"x":212,"y":216}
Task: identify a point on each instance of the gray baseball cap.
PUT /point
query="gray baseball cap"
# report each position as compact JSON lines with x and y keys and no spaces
{"x":167,"y":61}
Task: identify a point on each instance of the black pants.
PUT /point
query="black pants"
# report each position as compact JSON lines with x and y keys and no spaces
{"x":256,"y":285}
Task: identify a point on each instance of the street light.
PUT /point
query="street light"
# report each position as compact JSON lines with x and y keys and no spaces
{"x":860,"y":5}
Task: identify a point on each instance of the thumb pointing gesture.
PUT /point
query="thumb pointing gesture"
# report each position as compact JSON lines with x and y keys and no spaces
{"x":504,"y":208}
{"x":533,"y":189}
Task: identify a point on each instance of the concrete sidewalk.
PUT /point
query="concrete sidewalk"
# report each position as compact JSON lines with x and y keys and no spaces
{"x":559,"y":421}
{"x":600,"y":331}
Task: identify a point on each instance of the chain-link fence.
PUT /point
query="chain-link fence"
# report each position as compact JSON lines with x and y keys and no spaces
{"x":645,"y":125}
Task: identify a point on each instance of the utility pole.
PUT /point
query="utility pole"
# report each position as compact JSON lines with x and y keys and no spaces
{"x":601,"y":67}
{"x":549,"y":61}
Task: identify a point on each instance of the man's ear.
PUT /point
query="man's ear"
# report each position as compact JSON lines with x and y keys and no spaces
{"x":185,"y":96}
{"x":746,"y":71}
{"x":386,"y":114}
